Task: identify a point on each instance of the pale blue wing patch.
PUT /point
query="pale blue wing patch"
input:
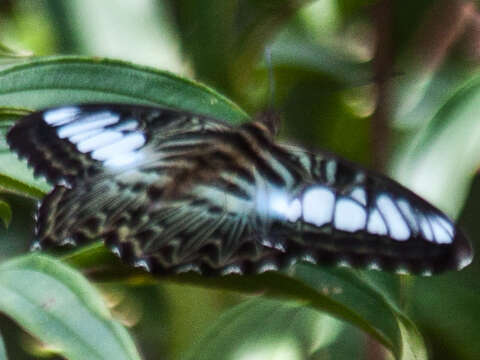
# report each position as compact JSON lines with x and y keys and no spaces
{"x":318,"y":205}
{"x":61,"y":116}
{"x":398,"y":228}
{"x":350,"y":215}
{"x":273,"y":203}
{"x":106,"y":135}
{"x":81,"y":123}
{"x":376,"y":225}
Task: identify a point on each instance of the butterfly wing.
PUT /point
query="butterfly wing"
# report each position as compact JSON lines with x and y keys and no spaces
{"x":348,"y":215}
{"x":70,"y":143}
{"x":172,"y":191}
{"x":107,"y":162}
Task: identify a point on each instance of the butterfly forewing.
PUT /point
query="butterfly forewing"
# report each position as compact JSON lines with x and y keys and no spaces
{"x":172,"y":191}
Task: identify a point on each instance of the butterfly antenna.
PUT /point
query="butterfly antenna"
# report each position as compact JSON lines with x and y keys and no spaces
{"x":271,"y":78}
{"x":269,"y":116}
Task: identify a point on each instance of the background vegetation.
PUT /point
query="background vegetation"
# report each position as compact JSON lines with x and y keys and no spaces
{"x":394,"y":85}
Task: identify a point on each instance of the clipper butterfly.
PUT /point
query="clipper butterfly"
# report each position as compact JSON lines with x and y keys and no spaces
{"x":172,"y":191}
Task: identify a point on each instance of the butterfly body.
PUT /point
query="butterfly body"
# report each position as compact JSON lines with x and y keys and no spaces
{"x":172,"y":191}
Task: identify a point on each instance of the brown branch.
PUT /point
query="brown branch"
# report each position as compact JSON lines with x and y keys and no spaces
{"x":444,"y":25}
{"x":382,"y":66}
{"x":380,"y":133}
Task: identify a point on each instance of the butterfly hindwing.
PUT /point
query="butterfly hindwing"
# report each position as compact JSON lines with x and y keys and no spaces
{"x":356,"y":217}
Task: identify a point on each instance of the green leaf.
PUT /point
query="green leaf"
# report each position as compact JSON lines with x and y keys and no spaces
{"x":237,"y":38}
{"x":5,"y":213}
{"x":339,"y":293}
{"x":413,"y":347}
{"x":443,"y":158}
{"x":291,"y":50}
{"x":15,"y":176}
{"x":52,"y":81}
{"x":261,"y":22}
{"x":3,"y":351}
{"x":210,"y":59}
{"x":62,"y":80}
{"x":350,"y":298}
{"x":374,"y":311}
{"x":8,"y":53}
{"x":267,"y":329}
{"x":58,"y":305}
{"x":16,"y":239}
{"x":453,"y":333}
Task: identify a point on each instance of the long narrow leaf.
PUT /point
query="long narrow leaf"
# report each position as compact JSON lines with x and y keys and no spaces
{"x":58,"y":305}
{"x":52,"y":81}
{"x":337,"y":292}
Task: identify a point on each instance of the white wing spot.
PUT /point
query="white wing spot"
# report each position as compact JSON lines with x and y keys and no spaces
{"x":374,"y":266}
{"x":426,"y":230}
{"x":231,"y":269}
{"x":115,"y":250}
{"x":188,"y":267}
{"x":426,"y":272}
{"x":409,"y":213}
{"x":275,"y":203}
{"x":127,"y":144}
{"x":97,"y":141}
{"x":141,"y":263}
{"x":269,"y":266}
{"x":349,"y":215}
{"x":441,"y":235}
{"x":84,"y":135}
{"x":344,"y":263}
{"x":308,"y":258}
{"x":402,"y":270}
{"x":294,"y":210}
{"x":86,"y":123}
{"x":60,"y":116}
{"x":447,"y":225}
{"x":318,"y":203}
{"x":465,"y":261}
{"x":359,"y":194}
{"x":396,"y":224}
{"x":376,"y":225}
{"x":124,"y":159}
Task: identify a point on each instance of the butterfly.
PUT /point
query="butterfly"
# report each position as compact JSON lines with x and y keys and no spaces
{"x":172,"y":191}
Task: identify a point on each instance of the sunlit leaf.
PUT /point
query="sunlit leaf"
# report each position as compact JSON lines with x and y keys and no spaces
{"x":443,"y":158}
{"x":413,"y":347}
{"x":5,"y":213}
{"x":261,"y":328}
{"x":59,"y":307}
{"x":9,"y":53}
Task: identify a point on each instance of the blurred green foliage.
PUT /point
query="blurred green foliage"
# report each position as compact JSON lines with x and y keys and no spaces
{"x":390,"y":84}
